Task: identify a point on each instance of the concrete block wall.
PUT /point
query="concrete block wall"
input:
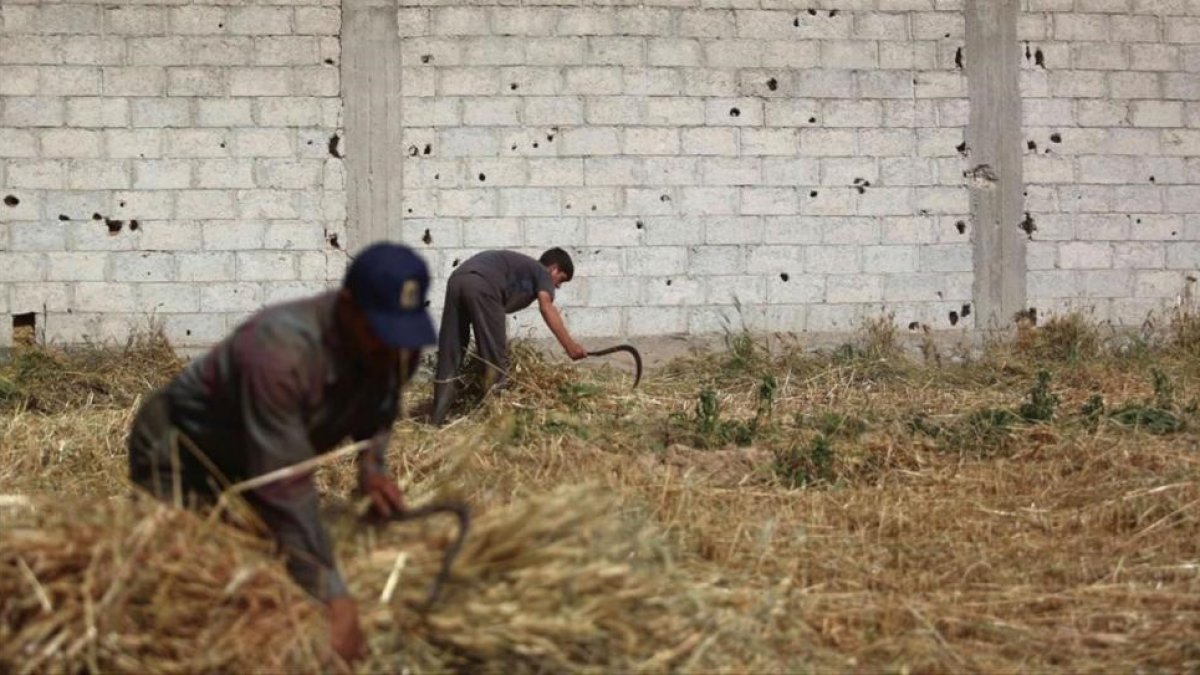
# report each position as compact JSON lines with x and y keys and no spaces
{"x":707,"y":163}
{"x":166,"y":158}
{"x":1112,"y":123}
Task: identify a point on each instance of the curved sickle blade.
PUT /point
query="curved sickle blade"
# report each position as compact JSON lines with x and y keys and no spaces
{"x":629,"y":349}
{"x":463,"y":514}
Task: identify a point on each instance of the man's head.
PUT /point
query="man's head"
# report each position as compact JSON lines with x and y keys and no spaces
{"x":383,"y":301}
{"x":559,"y":265}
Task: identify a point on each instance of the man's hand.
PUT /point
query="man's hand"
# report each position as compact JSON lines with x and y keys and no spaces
{"x":345,"y":634}
{"x":576,"y":352}
{"x":386,"y":500}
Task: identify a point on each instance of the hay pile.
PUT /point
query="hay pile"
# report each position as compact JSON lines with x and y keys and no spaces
{"x":559,"y":582}
{"x":146,"y":588}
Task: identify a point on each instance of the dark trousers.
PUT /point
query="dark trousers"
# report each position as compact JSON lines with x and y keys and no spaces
{"x":161,"y":463}
{"x":472,"y":302}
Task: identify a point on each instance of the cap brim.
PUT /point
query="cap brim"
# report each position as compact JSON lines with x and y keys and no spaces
{"x":406,"y":331}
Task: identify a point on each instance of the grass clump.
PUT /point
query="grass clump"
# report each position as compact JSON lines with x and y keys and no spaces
{"x":803,"y":465}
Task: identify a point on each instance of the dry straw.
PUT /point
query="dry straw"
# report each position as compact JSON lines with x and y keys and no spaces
{"x":754,"y":509}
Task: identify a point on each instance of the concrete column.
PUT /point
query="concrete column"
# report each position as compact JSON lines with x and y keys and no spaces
{"x":994,"y":160}
{"x":371,"y":95}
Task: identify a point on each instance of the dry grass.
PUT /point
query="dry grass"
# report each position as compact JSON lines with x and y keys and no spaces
{"x":743,"y":510}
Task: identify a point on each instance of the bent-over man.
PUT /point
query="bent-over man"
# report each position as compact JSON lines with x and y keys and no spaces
{"x":480,"y":292}
{"x":291,"y":382}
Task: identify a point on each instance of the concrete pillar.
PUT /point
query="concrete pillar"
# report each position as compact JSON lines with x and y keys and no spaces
{"x":994,"y":160}
{"x":371,"y":95}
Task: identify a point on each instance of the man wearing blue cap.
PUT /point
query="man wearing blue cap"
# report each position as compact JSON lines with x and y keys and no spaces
{"x":291,"y":382}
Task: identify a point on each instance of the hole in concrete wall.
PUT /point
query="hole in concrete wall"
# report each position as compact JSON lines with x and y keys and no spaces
{"x":24,"y":329}
{"x":11,"y":200}
{"x":1056,"y":137}
{"x":1039,"y":59}
{"x":134,"y":226}
{"x":1030,"y":315}
{"x":1032,"y":145}
{"x":639,"y":225}
{"x":962,"y":148}
{"x":97,"y":216}
{"x":427,"y":237}
{"x":428,"y":149}
{"x":958,"y":58}
{"x":329,"y":62}
{"x":63,"y":217}
{"x":454,"y":263}
{"x":914,"y":325}
{"x":413,"y":151}
{"x":812,"y":120}
{"x":535,"y":144}
{"x":953,"y":318}
{"x":772,"y":84}
{"x":813,"y":194}
{"x":966,"y":310}
{"x":734,"y":112}
{"x":114,"y":226}
{"x":833,"y":13}
{"x":333,"y":146}
{"x":513,"y":86}
{"x":333,"y":241}
{"x":1028,"y":226}
{"x":482,"y":177}
{"x":664,"y":198}
{"x":784,"y":276}
{"x":961,"y":226}
{"x":1027,"y":52}
{"x":668,"y":282}
{"x":1151,"y":179}
{"x":426,"y":58}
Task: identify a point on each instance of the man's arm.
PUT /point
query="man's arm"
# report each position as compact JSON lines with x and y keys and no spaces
{"x":555,"y":323}
{"x":272,"y":393}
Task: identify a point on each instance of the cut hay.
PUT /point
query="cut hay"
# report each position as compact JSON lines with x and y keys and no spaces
{"x":146,"y":588}
{"x":555,"y":583}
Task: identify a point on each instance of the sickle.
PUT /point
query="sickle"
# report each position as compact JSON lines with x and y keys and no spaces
{"x":637,"y":358}
{"x":463,"y":514}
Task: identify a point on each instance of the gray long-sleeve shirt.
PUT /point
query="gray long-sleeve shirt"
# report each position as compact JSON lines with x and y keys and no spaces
{"x":516,"y":276}
{"x":281,"y":389}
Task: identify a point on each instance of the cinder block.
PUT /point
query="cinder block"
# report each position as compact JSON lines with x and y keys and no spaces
{"x":615,"y":110}
{"x":260,"y":20}
{"x":319,"y":21}
{"x":593,"y":81}
{"x":528,"y":202}
{"x":265,"y":266}
{"x":104,"y":297}
{"x":161,"y":174}
{"x":558,"y":51}
{"x":555,"y":171}
{"x":169,"y":235}
{"x":589,"y":141}
{"x":711,"y":260}
{"x":707,"y":201}
{"x":97,"y":175}
{"x":655,"y":320}
{"x":161,"y":112}
{"x":656,"y":260}
{"x":747,"y":229}
{"x":230,"y":297}
{"x":853,"y":54}
{"x":269,"y":204}
{"x":64,"y":266}
{"x":97,"y":112}
{"x":31,"y":111}
{"x":470,"y":203}
{"x":289,"y":112}
{"x":36,"y":174}
{"x":854,"y":288}
{"x":674,"y":52}
{"x":71,"y":143}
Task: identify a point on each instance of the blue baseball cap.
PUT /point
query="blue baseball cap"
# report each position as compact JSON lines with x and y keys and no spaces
{"x":389,"y":283}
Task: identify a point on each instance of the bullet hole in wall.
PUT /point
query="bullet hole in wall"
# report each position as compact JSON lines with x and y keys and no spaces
{"x":333,"y":146}
{"x":63,"y":217}
{"x":482,"y":177}
{"x":11,"y":200}
{"x":812,"y":120}
{"x":427,"y":238}
{"x":535,"y":144}
{"x":784,"y":276}
{"x":1027,"y":54}
{"x":833,"y":13}
{"x":664,"y":198}
{"x":796,"y":22}
{"x":114,"y":226}
{"x":1032,"y":145}
{"x":426,"y":58}
{"x":428,"y":149}
{"x":333,"y":241}
{"x":966,"y":310}
{"x":426,"y":304}
{"x":134,"y":226}
{"x":1030,"y":315}
{"x":1056,"y":137}
{"x":97,"y":216}
{"x":1028,"y":226}
{"x":329,"y":62}
{"x":639,"y":225}
{"x":772,"y":84}
{"x":734,"y":112}
{"x":958,"y":58}
{"x":962,"y":148}
{"x":961,"y":227}
{"x":437,"y":176}
{"x":812,"y":193}
{"x":1152,"y":179}
{"x":914,"y":325}
{"x":413,"y":151}
{"x":593,"y":207}
{"x":953,"y":318}
{"x":121,"y":204}
{"x":454,"y":263}
{"x":1039,"y":59}
{"x":668,"y":282}
{"x":513,"y":86}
